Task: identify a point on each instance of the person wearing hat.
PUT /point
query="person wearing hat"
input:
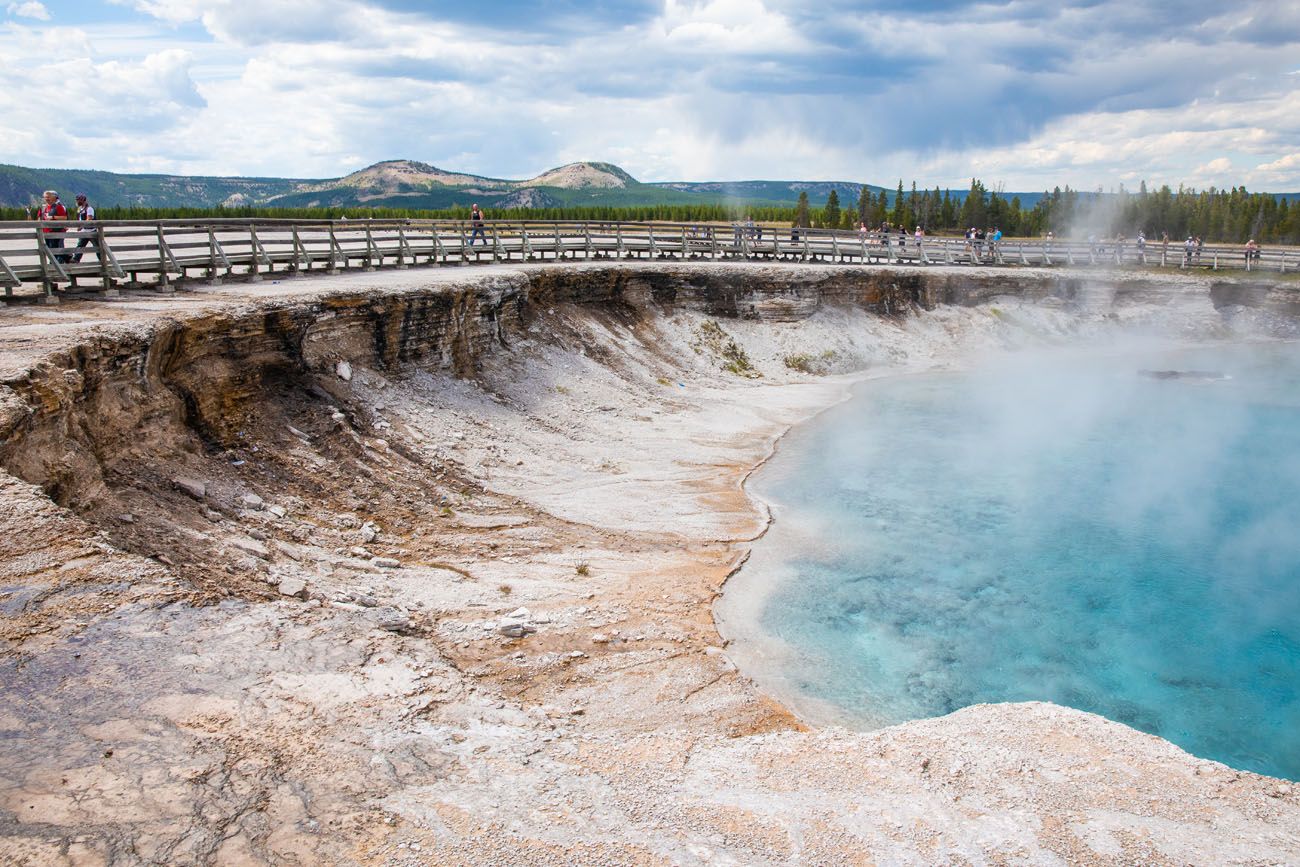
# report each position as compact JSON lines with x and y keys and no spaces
{"x":53,"y":209}
{"x":85,"y":213}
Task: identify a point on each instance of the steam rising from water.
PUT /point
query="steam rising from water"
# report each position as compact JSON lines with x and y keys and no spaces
{"x":1048,"y":527}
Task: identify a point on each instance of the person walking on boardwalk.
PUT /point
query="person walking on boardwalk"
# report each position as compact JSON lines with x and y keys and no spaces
{"x":85,"y":214}
{"x":53,"y":209}
{"x":476,"y":224}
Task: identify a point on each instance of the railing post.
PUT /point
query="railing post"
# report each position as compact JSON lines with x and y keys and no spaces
{"x":526,"y":247}
{"x":254,"y":269}
{"x":402,"y":249}
{"x":464,"y":251}
{"x":105,"y":275}
{"x":336,"y":253}
{"x":496,"y":244}
{"x":586,"y":233}
{"x":213,"y":279}
{"x":1216,"y":260}
{"x":559,"y":246}
{"x":371,"y":249}
{"x":46,"y":262}
{"x":164,"y":283}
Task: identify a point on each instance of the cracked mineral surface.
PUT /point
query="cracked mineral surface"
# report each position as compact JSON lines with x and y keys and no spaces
{"x":417,"y":568}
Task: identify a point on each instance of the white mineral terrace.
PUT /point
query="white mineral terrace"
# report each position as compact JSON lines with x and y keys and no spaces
{"x":417,"y":567}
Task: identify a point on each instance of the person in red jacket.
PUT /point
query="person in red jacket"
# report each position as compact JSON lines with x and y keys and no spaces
{"x":53,"y":209}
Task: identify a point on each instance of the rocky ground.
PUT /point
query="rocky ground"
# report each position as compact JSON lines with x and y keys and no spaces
{"x":447,"y":600}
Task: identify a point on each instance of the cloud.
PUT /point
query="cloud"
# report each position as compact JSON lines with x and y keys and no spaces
{"x":1028,"y":92}
{"x":30,"y":9}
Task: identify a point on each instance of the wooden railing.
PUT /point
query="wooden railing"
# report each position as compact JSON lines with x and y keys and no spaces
{"x":106,"y":256}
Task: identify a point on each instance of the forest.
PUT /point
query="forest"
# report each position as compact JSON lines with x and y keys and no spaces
{"x":1231,"y":216}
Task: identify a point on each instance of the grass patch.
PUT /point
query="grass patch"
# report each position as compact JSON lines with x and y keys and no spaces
{"x":817,"y":365}
{"x":583,"y":568}
{"x":731,"y":356}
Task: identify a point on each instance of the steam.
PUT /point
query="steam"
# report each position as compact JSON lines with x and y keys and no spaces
{"x":1050,"y":525}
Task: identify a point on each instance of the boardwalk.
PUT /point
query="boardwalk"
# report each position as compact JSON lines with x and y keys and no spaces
{"x":99,"y":259}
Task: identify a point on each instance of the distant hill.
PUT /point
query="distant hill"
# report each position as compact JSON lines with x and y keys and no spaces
{"x":407,"y":184}
{"x":416,"y":185}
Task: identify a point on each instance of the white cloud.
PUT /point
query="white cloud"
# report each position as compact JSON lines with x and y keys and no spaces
{"x":30,"y":9}
{"x":1030,"y":93}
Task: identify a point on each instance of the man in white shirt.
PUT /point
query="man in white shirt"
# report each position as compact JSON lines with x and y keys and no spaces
{"x":85,"y":213}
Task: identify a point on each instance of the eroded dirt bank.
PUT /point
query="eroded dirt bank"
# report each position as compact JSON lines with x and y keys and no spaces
{"x":416,"y":568}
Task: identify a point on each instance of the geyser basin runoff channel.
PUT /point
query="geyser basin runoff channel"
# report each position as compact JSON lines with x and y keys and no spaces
{"x":1057,"y":527}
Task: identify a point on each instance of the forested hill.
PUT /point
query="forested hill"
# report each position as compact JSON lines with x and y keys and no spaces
{"x":602,"y":191}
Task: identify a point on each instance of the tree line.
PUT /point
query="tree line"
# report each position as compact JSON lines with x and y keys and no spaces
{"x":1230,"y":216}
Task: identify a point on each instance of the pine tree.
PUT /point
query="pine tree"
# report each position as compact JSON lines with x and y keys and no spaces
{"x":802,"y":218}
{"x":831,"y":215}
{"x":864,"y":205}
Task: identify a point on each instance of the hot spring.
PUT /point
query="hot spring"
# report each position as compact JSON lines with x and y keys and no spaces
{"x":1089,"y":529}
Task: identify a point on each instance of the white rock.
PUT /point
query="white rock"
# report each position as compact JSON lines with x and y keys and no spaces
{"x":391,"y":620}
{"x":519,"y":614}
{"x":278,"y":511}
{"x":251,"y":501}
{"x":251,"y":546}
{"x":293,"y":587}
{"x":386,"y":563}
{"x":344,"y":371}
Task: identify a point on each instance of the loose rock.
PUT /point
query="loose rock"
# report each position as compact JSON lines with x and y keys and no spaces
{"x":195,"y":488}
{"x":293,"y":587}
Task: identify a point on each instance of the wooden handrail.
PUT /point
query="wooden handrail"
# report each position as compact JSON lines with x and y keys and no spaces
{"x":253,"y":247}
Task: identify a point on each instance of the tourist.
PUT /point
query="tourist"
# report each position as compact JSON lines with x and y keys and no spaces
{"x":1189,"y":247}
{"x":1142,"y":246}
{"x":1200,"y":242}
{"x":476,"y":221}
{"x":85,"y":214}
{"x":1252,"y":252}
{"x":918,"y":234}
{"x":53,"y":209}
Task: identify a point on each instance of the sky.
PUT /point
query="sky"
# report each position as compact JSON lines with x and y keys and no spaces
{"x":1024,"y":95}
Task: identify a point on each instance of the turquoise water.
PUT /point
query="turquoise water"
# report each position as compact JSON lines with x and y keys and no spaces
{"x":1055,"y":527}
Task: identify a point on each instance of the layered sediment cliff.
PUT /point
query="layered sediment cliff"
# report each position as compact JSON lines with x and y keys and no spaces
{"x":417,"y":567}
